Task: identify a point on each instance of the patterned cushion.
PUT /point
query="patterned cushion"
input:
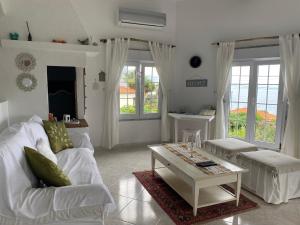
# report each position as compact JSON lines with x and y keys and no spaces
{"x":58,"y":136}
{"x":45,"y":170}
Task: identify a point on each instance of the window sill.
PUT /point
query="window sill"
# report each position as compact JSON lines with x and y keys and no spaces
{"x":144,"y":119}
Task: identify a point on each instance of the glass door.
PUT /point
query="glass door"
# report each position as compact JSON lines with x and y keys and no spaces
{"x":239,"y":94}
{"x":268,"y":105}
{"x":256,"y":106}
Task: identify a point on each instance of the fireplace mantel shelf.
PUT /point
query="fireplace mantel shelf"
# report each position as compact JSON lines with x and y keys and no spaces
{"x":51,"y":46}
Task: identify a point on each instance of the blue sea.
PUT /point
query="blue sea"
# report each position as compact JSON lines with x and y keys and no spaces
{"x":267,"y":97}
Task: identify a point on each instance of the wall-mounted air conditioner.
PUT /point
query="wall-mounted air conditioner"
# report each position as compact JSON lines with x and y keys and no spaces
{"x":141,"y":18}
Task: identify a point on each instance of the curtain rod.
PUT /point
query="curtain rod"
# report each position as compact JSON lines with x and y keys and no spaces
{"x":253,"y":39}
{"x":133,"y":39}
{"x":258,"y":46}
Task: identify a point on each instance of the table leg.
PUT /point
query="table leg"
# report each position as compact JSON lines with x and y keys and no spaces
{"x":238,"y":188}
{"x":206,"y":131}
{"x":175,"y":130}
{"x":196,"y":197}
{"x":152,"y":163}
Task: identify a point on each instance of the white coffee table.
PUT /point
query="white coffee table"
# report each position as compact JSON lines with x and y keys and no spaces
{"x":194,"y":186}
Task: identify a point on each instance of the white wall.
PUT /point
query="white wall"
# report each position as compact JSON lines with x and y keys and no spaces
{"x":199,"y":23}
{"x":73,"y":19}
{"x":145,"y":131}
{"x":70,"y":20}
{"x":3,"y":7}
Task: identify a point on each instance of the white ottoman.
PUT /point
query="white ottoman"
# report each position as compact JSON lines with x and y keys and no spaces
{"x":273,"y":176}
{"x":228,"y":148}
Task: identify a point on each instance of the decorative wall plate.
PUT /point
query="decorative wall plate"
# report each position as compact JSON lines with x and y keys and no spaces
{"x":25,"y":62}
{"x":26,"y":82}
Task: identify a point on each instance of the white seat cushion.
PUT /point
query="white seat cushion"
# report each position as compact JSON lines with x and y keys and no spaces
{"x":79,"y":165}
{"x":232,"y":144}
{"x":43,"y":148}
{"x":36,"y":131}
{"x":276,"y":161}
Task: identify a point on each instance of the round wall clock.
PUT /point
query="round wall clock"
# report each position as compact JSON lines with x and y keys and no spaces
{"x":195,"y":61}
{"x":26,"y":82}
{"x":25,"y":62}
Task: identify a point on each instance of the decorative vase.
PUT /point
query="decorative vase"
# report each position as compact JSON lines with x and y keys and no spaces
{"x":29,"y":38}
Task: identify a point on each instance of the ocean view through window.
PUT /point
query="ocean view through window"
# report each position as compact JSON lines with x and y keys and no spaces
{"x":253,"y":110}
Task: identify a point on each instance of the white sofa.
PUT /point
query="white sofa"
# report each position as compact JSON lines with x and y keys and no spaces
{"x":86,"y":201}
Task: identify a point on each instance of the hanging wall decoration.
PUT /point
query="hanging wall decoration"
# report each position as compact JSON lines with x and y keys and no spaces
{"x":195,"y":62}
{"x":25,"y":62}
{"x":26,"y":82}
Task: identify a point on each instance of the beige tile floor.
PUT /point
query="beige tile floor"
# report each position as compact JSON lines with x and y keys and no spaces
{"x":136,"y":206}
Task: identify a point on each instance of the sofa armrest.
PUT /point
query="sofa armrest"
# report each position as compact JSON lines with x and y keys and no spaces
{"x":81,"y":140}
{"x":83,"y":196}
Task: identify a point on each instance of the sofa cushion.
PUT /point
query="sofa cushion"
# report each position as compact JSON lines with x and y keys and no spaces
{"x":45,"y":170}
{"x":43,"y":148}
{"x":79,"y":165}
{"x":80,"y":140}
{"x":15,"y":173}
{"x":36,"y":119}
{"x":58,"y":136}
{"x":36,"y":131}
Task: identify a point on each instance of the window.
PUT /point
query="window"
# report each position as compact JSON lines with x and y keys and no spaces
{"x":128,"y":90}
{"x":139,"y":92}
{"x":256,"y":107}
{"x":239,"y":101}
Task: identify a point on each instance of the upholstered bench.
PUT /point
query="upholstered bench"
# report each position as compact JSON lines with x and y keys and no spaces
{"x":228,"y":148}
{"x":273,"y":176}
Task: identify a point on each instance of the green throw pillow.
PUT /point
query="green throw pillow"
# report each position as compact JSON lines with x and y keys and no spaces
{"x":58,"y":136}
{"x":45,"y":170}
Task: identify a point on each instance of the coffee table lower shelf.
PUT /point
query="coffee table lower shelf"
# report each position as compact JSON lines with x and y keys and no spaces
{"x":207,"y":196}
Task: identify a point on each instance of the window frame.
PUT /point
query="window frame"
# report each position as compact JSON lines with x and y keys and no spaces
{"x":140,"y":77}
{"x":280,"y":106}
{"x":252,"y":102}
{"x":142,"y":114}
{"x":137,"y":96}
{"x":228,"y":93}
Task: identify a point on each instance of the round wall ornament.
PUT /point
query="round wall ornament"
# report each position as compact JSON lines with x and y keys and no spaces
{"x":195,"y":61}
{"x":25,"y":62}
{"x":26,"y":82}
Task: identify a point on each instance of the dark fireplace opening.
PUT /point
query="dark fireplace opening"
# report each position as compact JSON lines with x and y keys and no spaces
{"x":62,"y":91}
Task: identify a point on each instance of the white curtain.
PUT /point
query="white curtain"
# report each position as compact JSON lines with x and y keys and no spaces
{"x":290,"y":57}
{"x":224,"y":60}
{"x":116,"y":57}
{"x":162,"y":56}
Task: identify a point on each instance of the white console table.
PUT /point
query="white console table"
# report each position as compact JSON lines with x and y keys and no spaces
{"x":206,"y":119}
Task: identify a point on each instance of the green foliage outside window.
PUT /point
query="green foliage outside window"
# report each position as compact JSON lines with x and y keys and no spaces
{"x":129,"y":78}
{"x":149,"y":86}
{"x":130,"y":109}
{"x":264,"y":131}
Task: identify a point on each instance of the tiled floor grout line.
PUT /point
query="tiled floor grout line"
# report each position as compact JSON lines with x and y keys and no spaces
{"x":125,"y":206}
{"x":127,"y":222}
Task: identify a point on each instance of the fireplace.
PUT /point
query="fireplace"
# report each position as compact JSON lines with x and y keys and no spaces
{"x":65,"y":92}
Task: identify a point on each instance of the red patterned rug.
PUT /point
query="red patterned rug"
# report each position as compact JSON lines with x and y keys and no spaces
{"x":180,"y":211}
